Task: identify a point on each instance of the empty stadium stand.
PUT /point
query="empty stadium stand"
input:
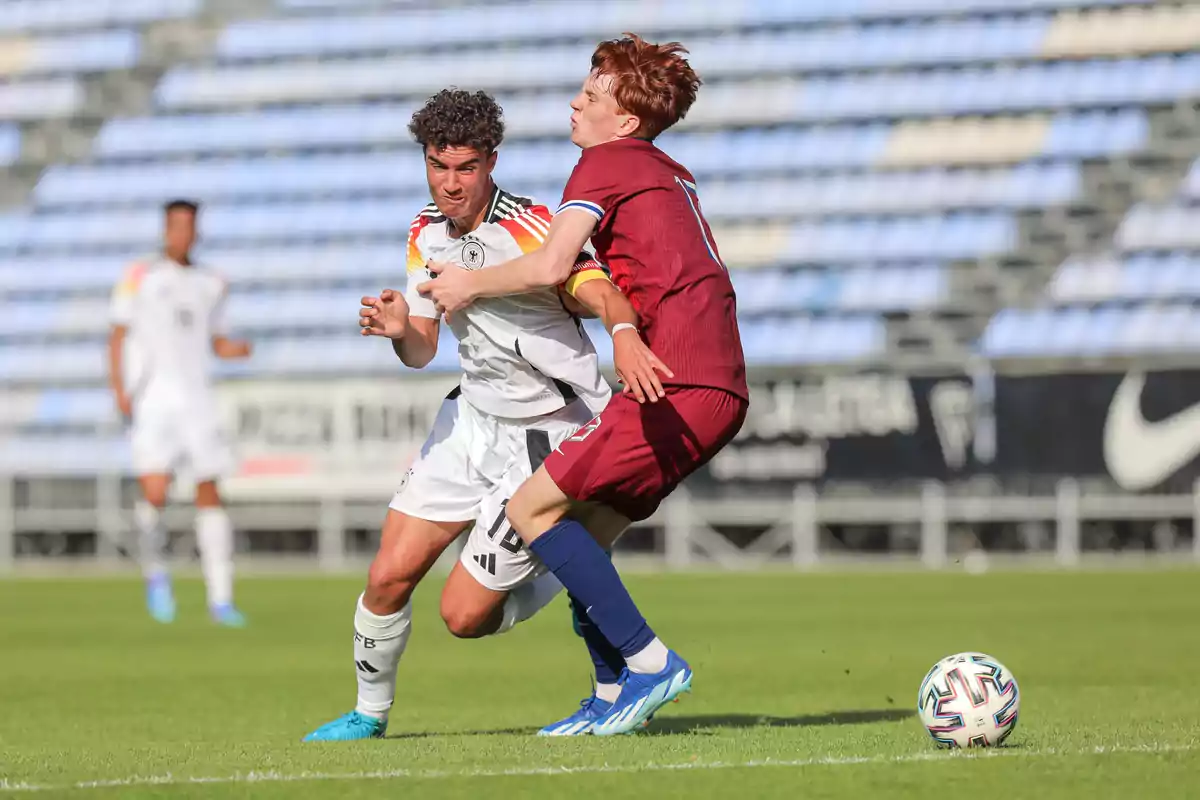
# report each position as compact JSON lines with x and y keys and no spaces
{"x":892,"y":182}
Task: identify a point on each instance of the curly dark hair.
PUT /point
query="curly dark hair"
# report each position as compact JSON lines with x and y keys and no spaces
{"x":457,"y":118}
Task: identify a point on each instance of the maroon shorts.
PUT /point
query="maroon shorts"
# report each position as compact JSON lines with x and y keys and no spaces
{"x":632,"y":455}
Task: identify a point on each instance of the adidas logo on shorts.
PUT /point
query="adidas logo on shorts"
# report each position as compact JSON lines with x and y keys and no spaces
{"x":487,"y":561}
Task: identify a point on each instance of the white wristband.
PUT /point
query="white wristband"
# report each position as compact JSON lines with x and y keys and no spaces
{"x":623,"y":326}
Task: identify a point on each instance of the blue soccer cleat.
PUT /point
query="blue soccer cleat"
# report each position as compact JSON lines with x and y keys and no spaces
{"x":348,"y":728}
{"x":228,"y":616}
{"x":160,"y":601}
{"x":590,"y":711}
{"x":643,"y":695}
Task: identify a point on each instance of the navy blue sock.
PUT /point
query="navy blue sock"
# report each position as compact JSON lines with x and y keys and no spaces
{"x":607,"y":658}
{"x":570,"y":552}
{"x":575,"y":615}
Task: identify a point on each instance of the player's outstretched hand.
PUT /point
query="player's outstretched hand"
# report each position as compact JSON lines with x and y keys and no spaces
{"x":451,"y":290}
{"x":386,"y":315}
{"x":638,"y":367}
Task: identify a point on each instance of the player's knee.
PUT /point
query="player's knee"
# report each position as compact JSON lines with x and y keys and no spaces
{"x":470,"y":622}
{"x":156,"y":496}
{"x":388,"y":583}
{"x":207,"y":495}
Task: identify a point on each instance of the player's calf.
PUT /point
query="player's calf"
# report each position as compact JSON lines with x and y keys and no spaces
{"x":152,"y":546}
{"x":408,"y":547}
{"x":390,"y":583}
{"x":214,"y":537}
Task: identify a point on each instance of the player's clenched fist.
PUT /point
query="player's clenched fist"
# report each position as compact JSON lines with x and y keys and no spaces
{"x":386,"y":315}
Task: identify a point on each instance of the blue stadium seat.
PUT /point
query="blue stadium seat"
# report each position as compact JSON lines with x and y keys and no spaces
{"x":1083,"y":331}
{"x":942,"y":91}
{"x":74,"y":407}
{"x":52,"y":363}
{"x":1095,"y":133}
{"x":91,"y":51}
{"x":303,"y":310}
{"x":728,"y":152}
{"x":877,"y":45}
{"x":1160,"y":228}
{"x":50,"y":98}
{"x":756,"y":12}
{"x":541,"y":170}
{"x":21,"y":15}
{"x":81,"y":454}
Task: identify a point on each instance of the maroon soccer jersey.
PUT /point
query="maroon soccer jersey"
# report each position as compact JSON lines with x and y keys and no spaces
{"x":654,"y":238}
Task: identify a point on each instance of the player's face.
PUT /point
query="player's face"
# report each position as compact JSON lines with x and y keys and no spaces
{"x":180,"y":233}
{"x":459,"y":180}
{"x":597,"y":117}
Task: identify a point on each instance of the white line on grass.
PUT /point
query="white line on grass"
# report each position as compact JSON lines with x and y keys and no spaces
{"x":828,"y":761}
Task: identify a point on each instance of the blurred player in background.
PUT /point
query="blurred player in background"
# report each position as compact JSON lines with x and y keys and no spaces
{"x":165,"y":327}
{"x":642,"y":212}
{"x":530,"y":379}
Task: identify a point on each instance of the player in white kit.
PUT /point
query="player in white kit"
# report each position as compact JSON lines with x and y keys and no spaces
{"x":165,"y":329}
{"x":531,"y":378}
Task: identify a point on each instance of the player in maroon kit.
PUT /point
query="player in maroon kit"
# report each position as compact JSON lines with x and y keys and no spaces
{"x":642,"y":213}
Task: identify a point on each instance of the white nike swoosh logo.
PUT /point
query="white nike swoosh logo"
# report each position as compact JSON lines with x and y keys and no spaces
{"x":1141,"y":454}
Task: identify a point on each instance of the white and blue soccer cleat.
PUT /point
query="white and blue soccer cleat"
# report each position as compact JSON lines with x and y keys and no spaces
{"x":590,"y":711}
{"x":348,"y":728}
{"x":643,"y":695}
{"x":160,"y":601}
{"x":227,"y":616}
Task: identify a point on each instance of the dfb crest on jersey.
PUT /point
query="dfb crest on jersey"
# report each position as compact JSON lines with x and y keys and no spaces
{"x":472,"y":255}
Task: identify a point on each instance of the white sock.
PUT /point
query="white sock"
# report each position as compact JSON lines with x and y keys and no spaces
{"x":650,"y":659}
{"x":214,"y":537}
{"x":152,"y":539}
{"x":378,"y":644}
{"x":527,"y":599}
{"x":608,"y":692}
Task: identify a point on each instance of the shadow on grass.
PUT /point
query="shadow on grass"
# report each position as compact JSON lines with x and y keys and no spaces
{"x":669,"y":725}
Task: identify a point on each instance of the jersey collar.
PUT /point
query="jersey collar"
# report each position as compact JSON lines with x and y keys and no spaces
{"x":494,"y":206}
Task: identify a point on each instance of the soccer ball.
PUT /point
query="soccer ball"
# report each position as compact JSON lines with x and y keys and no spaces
{"x":969,"y":700}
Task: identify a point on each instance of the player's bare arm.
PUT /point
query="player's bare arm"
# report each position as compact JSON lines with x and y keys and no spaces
{"x":637,"y":367}
{"x":116,"y":353}
{"x":230,"y":349}
{"x":414,"y":339}
{"x":456,"y":288}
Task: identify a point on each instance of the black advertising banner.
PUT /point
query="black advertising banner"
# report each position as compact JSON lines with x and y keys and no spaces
{"x":1140,"y":429}
{"x":857,"y":428}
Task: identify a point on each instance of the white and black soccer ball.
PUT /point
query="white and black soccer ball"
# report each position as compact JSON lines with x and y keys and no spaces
{"x":969,"y":700}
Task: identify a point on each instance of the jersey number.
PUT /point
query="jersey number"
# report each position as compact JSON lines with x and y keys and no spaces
{"x":512,"y":540}
{"x":689,"y":191}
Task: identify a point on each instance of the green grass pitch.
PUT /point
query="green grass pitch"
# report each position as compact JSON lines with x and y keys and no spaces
{"x":805,"y":686}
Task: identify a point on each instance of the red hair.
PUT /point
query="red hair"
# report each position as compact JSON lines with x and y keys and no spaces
{"x":652,"y":81}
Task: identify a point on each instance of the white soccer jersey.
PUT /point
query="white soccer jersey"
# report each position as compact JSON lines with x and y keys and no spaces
{"x":522,"y":355}
{"x":172,"y":313}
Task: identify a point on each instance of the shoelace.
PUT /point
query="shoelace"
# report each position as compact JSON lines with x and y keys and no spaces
{"x":587,"y":703}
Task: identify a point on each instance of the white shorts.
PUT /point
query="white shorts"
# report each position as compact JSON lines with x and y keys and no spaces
{"x":164,"y":442}
{"x":469,"y":467}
